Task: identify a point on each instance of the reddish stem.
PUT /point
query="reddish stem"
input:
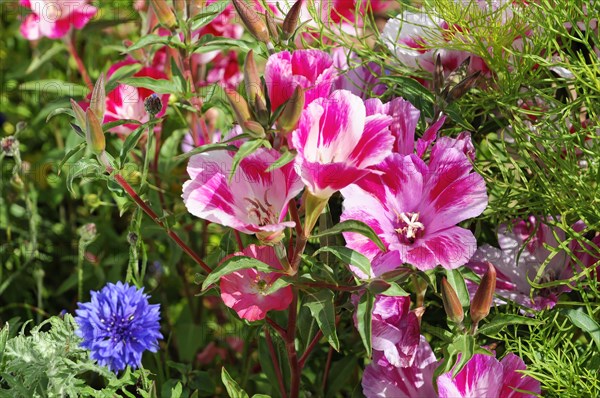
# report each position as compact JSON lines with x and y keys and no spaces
{"x":275,"y":363}
{"x":327,"y":367}
{"x":238,"y":239}
{"x":291,"y":348}
{"x":70,"y":42}
{"x":144,"y":206}
{"x":309,"y":349}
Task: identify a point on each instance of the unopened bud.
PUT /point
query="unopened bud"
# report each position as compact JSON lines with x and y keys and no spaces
{"x":87,"y":232}
{"x":153,"y":104}
{"x":271,"y":26}
{"x":291,"y":20}
{"x":239,"y":106}
{"x":94,"y":134}
{"x":252,"y":79}
{"x":79,"y":113}
{"x":482,"y":302}
{"x":132,"y":238}
{"x":164,"y":13}
{"x":292,"y":111}
{"x":180,"y":8}
{"x":452,"y":304}
{"x":255,"y":25}
{"x":254,"y":129}
{"x":98,"y":101}
{"x":16,"y":182}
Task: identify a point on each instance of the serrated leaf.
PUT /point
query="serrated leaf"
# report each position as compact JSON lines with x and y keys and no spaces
{"x":233,"y":264}
{"x":584,"y":322}
{"x":455,"y":279}
{"x":233,"y":388}
{"x":159,"y":86}
{"x":322,"y":309}
{"x":500,"y":321}
{"x":364,"y":316}
{"x":246,"y":149}
{"x":348,"y":256}
{"x":285,"y":158}
{"x":353,"y":226}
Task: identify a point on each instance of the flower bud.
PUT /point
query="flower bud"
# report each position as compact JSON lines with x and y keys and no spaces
{"x":94,"y":134}
{"x":292,"y":111}
{"x":254,"y":129}
{"x":252,"y":79}
{"x":98,"y":101}
{"x":153,"y":104}
{"x":239,"y":106}
{"x":482,"y":302}
{"x":452,"y":304}
{"x":180,"y":8}
{"x":291,"y":20}
{"x":271,"y":26}
{"x":252,"y":21}
{"x":164,"y":13}
{"x":79,"y":113}
{"x":87,"y":232}
{"x":9,"y":145}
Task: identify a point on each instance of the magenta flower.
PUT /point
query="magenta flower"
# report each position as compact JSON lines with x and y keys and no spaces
{"x":254,"y":201}
{"x":312,"y":70}
{"x":54,"y":18}
{"x":225,"y":71}
{"x":485,"y":376}
{"x":395,"y":331}
{"x":245,"y":291}
{"x":519,"y":258}
{"x":414,"y":208}
{"x":337,"y":142}
{"x":414,"y":381}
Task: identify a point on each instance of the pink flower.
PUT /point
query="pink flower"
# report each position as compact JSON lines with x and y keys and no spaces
{"x":225,"y":71}
{"x":519,"y":258}
{"x":127,"y":102}
{"x":361,"y":80}
{"x":312,"y":70}
{"x":254,"y":201}
{"x":54,"y":18}
{"x":337,"y":142}
{"x":414,"y":381}
{"x":245,"y":291}
{"x":485,"y":376}
{"x":395,"y":331}
{"x":414,"y":208}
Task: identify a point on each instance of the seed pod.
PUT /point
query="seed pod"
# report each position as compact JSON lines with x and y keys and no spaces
{"x":452,"y":304}
{"x":239,"y":106}
{"x":292,"y":111}
{"x":271,"y":26}
{"x":153,"y":104}
{"x":252,"y":80}
{"x":482,"y":302}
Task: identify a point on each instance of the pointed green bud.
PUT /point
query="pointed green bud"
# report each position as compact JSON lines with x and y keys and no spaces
{"x":292,"y":111}
{"x":484,"y":296}
{"x":79,"y":113}
{"x":252,"y":80}
{"x":164,"y":13}
{"x":255,"y":25}
{"x":271,"y":26}
{"x":98,"y":101}
{"x":254,"y":129}
{"x":313,"y":207}
{"x":239,"y":106}
{"x":290,"y":23}
{"x":94,"y":134}
{"x":452,"y":304}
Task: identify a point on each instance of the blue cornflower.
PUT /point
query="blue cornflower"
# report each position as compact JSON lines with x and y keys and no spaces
{"x":118,"y":325}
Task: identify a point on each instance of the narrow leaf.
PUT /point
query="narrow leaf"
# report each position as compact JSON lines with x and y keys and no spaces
{"x":353,"y":226}
{"x":233,"y":388}
{"x":586,"y":323}
{"x":457,"y":282}
{"x":245,"y":150}
{"x":364,"y":316}
{"x":205,"y":148}
{"x":160,"y":86}
{"x":322,"y":309}
{"x":233,"y":264}
{"x":285,"y":158}
{"x":348,"y":256}
{"x":500,"y":321}
{"x":130,"y":143}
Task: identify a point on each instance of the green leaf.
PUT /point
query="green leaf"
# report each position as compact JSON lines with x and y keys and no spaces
{"x":465,"y":345}
{"x":340,"y":374}
{"x":348,"y":256}
{"x":148,"y":40}
{"x":205,"y":148}
{"x":80,"y":148}
{"x":178,"y":79}
{"x":130,"y":143}
{"x":233,"y":388}
{"x":457,"y":282}
{"x":177,"y":390}
{"x":278,"y":284}
{"x":121,"y":73}
{"x":245,"y":150}
{"x":118,"y":123}
{"x":353,"y":226}
{"x":285,"y":158}
{"x":364,"y":316}
{"x":322,"y":309}
{"x":52,"y":86}
{"x":60,"y":111}
{"x":202,"y":19}
{"x":500,"y":321}
{"x":233,"y":264}
{"x":584,"y":322}
{"x":160,"y":86}
{"x":3,"y":340}
{"x":395,"y":291}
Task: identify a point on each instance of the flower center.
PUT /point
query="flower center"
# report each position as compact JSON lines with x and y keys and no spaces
{"x":261,"y":286}
{"x":409,"y":228}
{"x":119,"y":328}
{"x":261,"y":212}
